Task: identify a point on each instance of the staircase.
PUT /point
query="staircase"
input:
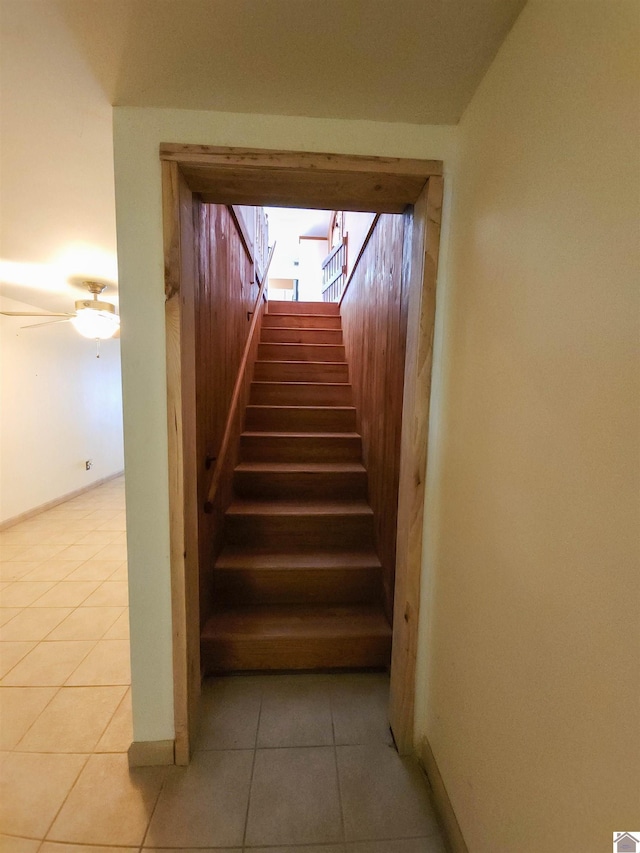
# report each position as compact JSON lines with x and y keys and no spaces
{"x":297,"y":584}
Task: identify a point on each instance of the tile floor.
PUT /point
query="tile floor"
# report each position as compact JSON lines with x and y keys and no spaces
{"x":282,"y":763}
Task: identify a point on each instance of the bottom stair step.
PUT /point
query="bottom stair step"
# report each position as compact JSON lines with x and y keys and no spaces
{"x":296,"y":637}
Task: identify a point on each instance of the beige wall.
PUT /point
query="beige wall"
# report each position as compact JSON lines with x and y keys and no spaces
{"x":137,"y":135}
{"x":528,"y":686}
{"x":60,"y":406}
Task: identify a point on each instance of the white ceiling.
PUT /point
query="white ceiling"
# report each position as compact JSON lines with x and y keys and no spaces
{"x":63,"y":63}
{"x":416,"y":61}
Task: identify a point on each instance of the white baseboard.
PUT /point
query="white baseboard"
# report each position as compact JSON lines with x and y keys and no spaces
{"x":30,"y":513}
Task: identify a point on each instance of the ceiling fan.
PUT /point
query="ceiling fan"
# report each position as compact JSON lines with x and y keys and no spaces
{"x":93,"y":318}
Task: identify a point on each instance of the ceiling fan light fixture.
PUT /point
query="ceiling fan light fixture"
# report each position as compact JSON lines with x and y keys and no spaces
{"x":95,"y":323}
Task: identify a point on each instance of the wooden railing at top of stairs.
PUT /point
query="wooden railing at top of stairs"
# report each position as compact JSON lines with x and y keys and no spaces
{"x":235,"y":397}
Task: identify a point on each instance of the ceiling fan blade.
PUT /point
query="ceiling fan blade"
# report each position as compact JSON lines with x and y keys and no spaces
{"x":33,"y":314}
{"x":49,"y":323}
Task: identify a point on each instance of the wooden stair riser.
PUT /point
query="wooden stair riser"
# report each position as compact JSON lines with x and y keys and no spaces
{"x":302,"y":336}
{"x":300,"y":394}
{"x":301,"y":419}
{"x":300,"y":352}
{"x":297,"y":586}
{"x":300,"y":532}
{"x":233,"y":653}
{"x":300,"y":322}
{"x":301,"y":371}
{"x":280,"y":307}
{"x":256,"y":447}
{"x":301,"y":485}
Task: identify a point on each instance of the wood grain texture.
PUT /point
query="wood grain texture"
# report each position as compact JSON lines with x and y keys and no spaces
{"x":180,"y":360}
{"x":374,"y":336}
{"x":425,"y":241}
{"x":225,"y":300}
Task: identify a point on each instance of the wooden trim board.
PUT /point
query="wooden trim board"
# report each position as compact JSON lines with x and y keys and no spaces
{"x":442,"y":804}
{"x":248,"y":176}
{"x":31,"y":513}
{"x":422,"y":274}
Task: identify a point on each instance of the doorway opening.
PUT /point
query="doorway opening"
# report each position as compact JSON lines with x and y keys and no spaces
{"x":196,"y":176}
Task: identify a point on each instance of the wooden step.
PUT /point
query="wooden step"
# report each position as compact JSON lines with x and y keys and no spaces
{"x":301,"y":371}
{"x":278,"y":307}
{"x":300,"y":447}
{"x":296,"y":637}
{"x":243,"y":577}
{"x":301,"y":393}
{"x":301,"y":418}
{"x":300,"y":352}
{"x":301,"y":336}
{"x":302,"y":322}
{"x":296,"y":525}
{"x":303,"y":481}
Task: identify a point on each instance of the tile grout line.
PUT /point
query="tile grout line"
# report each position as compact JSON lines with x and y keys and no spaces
{"x":335,"y":760}
{"x":253,"y":764}
{"x":165,"y":776}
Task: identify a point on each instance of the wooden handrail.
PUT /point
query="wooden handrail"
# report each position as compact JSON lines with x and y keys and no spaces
{"x":226,"y":437}
{"x":360,"y":254}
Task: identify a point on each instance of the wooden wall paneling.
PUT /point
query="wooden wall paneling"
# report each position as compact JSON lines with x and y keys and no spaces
{"x":226,"y":292}
{"x":180,"y":274}
{"x":374,"y":342}
{"x":425,"y":241}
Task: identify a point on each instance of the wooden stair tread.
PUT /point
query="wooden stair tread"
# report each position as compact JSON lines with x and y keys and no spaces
{"x":301,"y":467}
{"x":242,"y":558}
{"x":280,"y":507}
{"x":303,"y":408}
{"x":297,"y":361}
{"x":298,"y":622}
{"x":288,"y":382}
{"x":274,"y":434}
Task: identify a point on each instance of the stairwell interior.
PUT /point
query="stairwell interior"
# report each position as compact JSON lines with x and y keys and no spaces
{"x":298,"y":582}
{"x":297,"y":548}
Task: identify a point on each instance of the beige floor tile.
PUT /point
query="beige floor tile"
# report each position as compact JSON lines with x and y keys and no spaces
{"x":19,"y":709}
{"x":119,"y":733}
{"x":67,"y":594}
{"x":52,"y":570}
{"x":33,"y":787}
{"x":57,"y":847}
{"x":14,"y":570}
{"x":12,"y":844}
{"x":120,"y":628}
{"x":198,"y":850}
{"x":359,"y":706}
{"x":40,"y":553}
{"x":109,"y":804}
{"x":296,"y":711}
{"x":98,"y":537}
{"x":11,"y":654}
{"x":230,"y":711}
{"x":86,"y":623}
{"x":73,"y":721}
{"x":33,"y":623}
{"x":109,"y":594}
{"x":107,"y":663}
{"x":121,"y":573}
{"x":112,"y":552}
{"x":23,"y":593}
{"x":16,"y":535}
{"x":433,"y":844}
{"x":53,"y":534}
{"x":47,"y":664}
{"x":95,"y":570}
{"x":205,"y":803}
{"x":294,"y":798}
{"x":9,"y":551}
{"x":373,"y":774}
{"x":8,"y":613}
{"x":79,"y":552}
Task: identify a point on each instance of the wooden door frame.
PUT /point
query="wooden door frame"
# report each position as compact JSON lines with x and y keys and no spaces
{"x":297,"y":179}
